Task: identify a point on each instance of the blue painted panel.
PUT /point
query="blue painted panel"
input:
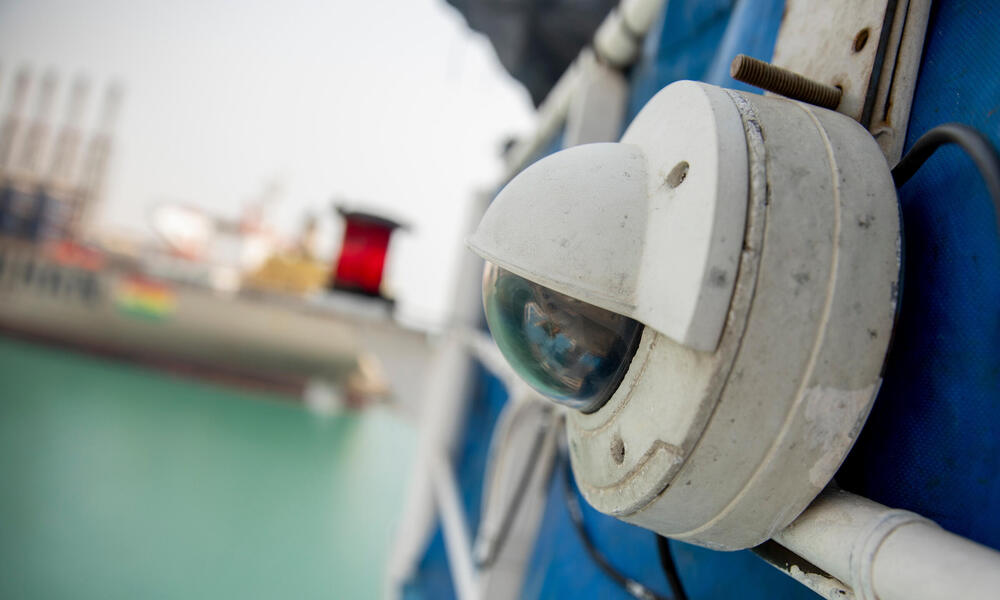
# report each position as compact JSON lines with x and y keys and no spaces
{"x":931,"y":444}
{"x":561,"y":567}
{"x":682,"y":47}
{"x":752,"y":30}
{"x":433,"y":578}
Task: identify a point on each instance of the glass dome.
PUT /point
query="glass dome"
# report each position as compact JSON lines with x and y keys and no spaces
{"x":570,"y":351}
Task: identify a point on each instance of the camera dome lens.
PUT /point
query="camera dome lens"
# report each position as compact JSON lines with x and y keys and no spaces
{"x":570,"y":351}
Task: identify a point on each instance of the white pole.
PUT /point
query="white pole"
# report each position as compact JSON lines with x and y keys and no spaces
{"x":457,"y":541}
{"x":446,"y":396}
{"x":888,"y":554}
{"x":617,"y":43}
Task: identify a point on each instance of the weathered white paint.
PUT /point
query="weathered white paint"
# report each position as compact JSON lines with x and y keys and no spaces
{"x":888,"y":554}
{"x":651,"y":228}
{"x":748,"y":389}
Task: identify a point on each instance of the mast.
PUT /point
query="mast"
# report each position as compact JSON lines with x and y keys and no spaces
{"x":29,"y":157}
{"x":95,"y":160}
{"x":65,"y":154}
{"x":13,"y":122}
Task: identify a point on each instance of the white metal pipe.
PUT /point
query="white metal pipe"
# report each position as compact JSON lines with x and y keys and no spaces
{"x":619,"y":37}
{"x":889,"y":554}
{"x":551,"y":114}
{"x":518,"y":477}
{"x":639,"y":15}
{"x":617,"y":41}
{"x":457,"y":541}
{"x":597,"y":109}
{"x":446,"y":396}
{"x":803,"y":571}
{"x":482,"y":346}
{"x":926,"y":561}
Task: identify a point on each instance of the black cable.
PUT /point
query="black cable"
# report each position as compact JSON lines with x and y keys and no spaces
{"x":515,"y":503}
{"x":670,"y":568}
{"x":973,"y":142}
{"x":633,"y":587}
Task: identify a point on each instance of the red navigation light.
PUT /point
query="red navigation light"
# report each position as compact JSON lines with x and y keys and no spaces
{"x":362,"y":254}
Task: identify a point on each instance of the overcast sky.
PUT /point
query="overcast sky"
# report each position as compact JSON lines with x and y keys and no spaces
{"x":394,"y":104}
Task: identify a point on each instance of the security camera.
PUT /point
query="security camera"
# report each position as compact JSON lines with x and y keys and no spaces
{"x":712,"y":298}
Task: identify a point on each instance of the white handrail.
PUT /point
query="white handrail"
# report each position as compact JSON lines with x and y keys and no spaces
{"x":888,"y":554}
{"x":457,"y":541}
{"x":617,"y":42}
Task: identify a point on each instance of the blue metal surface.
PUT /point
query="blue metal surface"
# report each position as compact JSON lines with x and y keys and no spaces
{"x":561,"y":568}
{"x":932,"y":443}
{"x":433,"y":579}
{"x":683,"y":46}
{"x":752,"y":30}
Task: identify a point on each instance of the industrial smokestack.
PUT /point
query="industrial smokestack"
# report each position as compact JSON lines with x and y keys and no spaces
{"x":29,"y":158}
{"x":65,"y":154}
{"x":95,"y":161}
{"x":13,"y":123}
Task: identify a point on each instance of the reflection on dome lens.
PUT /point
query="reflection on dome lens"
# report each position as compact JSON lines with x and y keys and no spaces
{"x":573,"y":352}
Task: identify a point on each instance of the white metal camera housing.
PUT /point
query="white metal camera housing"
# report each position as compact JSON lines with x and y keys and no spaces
{"x":756,"y":241}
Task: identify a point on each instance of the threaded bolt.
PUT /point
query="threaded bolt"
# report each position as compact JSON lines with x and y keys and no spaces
{"x":784,"y":82}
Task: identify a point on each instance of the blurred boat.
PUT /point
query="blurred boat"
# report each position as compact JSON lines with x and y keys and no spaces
{"x":117,"y":309}
{"x":213,"y":297}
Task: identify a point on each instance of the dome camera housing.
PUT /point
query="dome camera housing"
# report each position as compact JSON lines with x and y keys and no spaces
{"x":714,"y":296}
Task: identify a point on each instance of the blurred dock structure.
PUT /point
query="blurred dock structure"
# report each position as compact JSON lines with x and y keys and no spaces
{"x":152,"y":301}
{"x":53,"y":174}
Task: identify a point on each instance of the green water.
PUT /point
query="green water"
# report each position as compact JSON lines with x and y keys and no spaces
{"x":121,"y":482}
